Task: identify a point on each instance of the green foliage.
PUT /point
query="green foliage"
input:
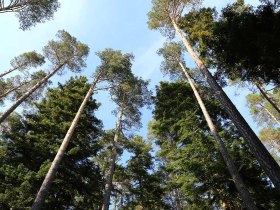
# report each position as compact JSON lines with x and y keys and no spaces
{"x":14,"y":87}
{"x":191,"y":162}
{"x":159,"y":16}
{"x":242,"y":44}
{"x":35,"y":11}
{"x":258,"y":30}
{"x":66,"y":50}
{"x":267,"y":118}
{"x":30,"y":143}
{"x":106,"y":143}
{"x":141,"y":186}
{"x":271,"y":138}
{"x":172,"y":54}
{"x":164,"y":11}
{"x":262,"y":111}
{"x":199,"y":26}
{"x":114,"y":65}
{"x":129,"y":92}
{"x":27,"y":60}
{"x":35,"y":77}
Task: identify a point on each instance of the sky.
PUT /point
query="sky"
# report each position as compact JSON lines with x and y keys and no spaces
{"x":117,"y":24}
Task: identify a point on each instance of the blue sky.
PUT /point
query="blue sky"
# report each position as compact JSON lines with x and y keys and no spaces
{"x":117,"y":24}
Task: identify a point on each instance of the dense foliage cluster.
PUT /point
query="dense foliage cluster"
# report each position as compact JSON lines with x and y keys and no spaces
{"x":200,"y":152}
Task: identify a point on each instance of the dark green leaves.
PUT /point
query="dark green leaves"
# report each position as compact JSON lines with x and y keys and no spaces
{"x":29,"y":143}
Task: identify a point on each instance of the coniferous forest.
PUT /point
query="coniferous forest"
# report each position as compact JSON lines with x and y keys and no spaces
{"x":196,"y":151}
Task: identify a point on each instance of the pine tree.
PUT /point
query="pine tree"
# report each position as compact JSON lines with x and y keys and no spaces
{"x":173,"y":54}
{"x":67,"y":52}
{"x":191,"y":162}
{"x":143,"y":182}
{"x":130,"y":93}
{"x":25,"y":61}
{"x":28,"y":153}
{"x":30,"y":12}
{"x":16,"y":86}
{"x":164,"y":16}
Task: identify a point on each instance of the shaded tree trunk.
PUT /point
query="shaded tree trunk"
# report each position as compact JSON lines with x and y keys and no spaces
{"x":29,"y":92}
{"x":245,"y":195}
{"x":264,"y":158}
{"x":109,"y":178}
{"x":41,"y":195}
{"x":265,"y":94}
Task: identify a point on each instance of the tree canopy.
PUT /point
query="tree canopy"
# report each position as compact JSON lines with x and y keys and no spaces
{"x":28,"y":153}
{"x":31,"y":12}
{"x":190,"y":159}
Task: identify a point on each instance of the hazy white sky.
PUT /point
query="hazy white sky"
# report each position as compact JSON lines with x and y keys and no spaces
{"x":117,"y":24}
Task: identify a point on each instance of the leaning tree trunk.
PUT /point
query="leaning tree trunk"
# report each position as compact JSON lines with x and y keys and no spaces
{"x":264,"y":158}
{"x":109,"y":178}
{"x":41,"y":195}
{"x":13,"y":89}
{"x":265,"y":94}
{"x":270,"y":114}
{"x":245,"y":195}
{"x":7,"y":72}
{"x":29,"y":92}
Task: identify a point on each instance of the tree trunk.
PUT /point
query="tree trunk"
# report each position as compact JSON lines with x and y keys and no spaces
{"x":264,"y":158}
{"x":28,"y":93}
{"x":267,"y":96}
{"x":271,"y":115}
{"x":7,"y":72}
{"x":109,"y":178}
{"x":41,"y":195}
{"x":13,"y":89}
{"x":245,"y":195}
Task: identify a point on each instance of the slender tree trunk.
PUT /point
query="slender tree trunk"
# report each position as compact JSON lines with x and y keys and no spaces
{"x":109,"y":178}
{"x":245,"y":195}
{"x":13,"y":89}
{"x":266,"y":95}
{"x":264,"y":158}
{"x":41,"y":195}
{"x":28,"y":93}
{"x":7,"y":72}
{"x":271,"y":115}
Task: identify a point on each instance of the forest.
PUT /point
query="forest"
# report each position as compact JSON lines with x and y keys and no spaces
{"x":174,"y":105}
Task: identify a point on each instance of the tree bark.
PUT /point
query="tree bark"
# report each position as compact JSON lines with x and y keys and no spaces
{"x":271,"y":115}
{"x":7,"y":72}
{"x":264,"y":158}
{"x":267,"y":96}
{"x":13,"y":89}
{"x":109,"y":178}
{"x":29,"y":92}
{"x":41,"y":195}
{"x":244,"y":193}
